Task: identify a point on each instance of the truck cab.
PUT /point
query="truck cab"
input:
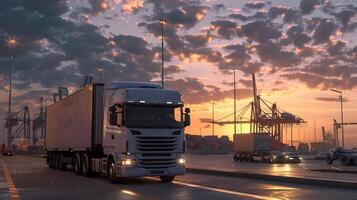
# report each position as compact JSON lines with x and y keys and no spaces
{"x":143,"y":131}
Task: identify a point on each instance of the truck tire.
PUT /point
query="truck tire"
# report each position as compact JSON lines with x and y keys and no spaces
{"x":235,"y":157}
{"x":355,"y":160}
{"x":49,"y":157}
{"x":345,"y":160}
{"x":86,"y":169}
{"x":112,"y":171}
{"x":167,"y":179}
{"x":61,"y":164}
{"x":329,"y":159}
{"x":57,"y":161}
{"x":77,"y":165}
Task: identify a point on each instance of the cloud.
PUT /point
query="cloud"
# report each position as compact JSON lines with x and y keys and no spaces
{"x":276,"y":56}
{"x":330,"y":99}
{"x":297,"y":36}
{"x":254,"y":5}
{"x":289,"y":15}
{"x":195,"y":92}
{"x":259,"y":31}
{"x":323,"y":31}
{"x":225,"y":28}
{"x":308,"y":6}
{"x":218,"y":7}
{"x":321,"y":82}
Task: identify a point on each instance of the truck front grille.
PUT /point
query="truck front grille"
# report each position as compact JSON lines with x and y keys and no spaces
{"x":156,"y":151}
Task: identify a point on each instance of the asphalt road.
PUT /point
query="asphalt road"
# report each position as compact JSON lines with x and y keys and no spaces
{"x":29,"y":178}
{"x":306,"y":169}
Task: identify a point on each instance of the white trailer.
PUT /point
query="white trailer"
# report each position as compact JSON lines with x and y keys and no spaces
{"x":120,"y":129}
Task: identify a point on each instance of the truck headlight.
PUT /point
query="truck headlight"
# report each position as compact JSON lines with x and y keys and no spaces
{"x":127,"y":162}
{"x":181,"y":161}
{"x":274,"y":157}
{"x":286,"y":157}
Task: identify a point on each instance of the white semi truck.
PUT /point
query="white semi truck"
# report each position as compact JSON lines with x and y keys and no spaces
{"x":119,"y":129}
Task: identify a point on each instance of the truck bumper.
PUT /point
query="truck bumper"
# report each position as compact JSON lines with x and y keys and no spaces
{"x":140,"y":172}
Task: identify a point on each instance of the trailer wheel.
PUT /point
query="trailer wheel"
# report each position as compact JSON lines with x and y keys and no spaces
{"x":61,"y":164}
{"x":240,"y":157}
{"x":57,"y":161}
{"x":49,"y":157}
{"x":235,"y":157}
{"x":329,"y":160}
{"x":77,"y":164}
{"x":86,"y":169}
{"x":345,"y":160}
{"x":355,"y":160}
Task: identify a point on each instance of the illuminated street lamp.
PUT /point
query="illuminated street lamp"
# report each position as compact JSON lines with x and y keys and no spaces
{"x":341,"y":99}
{"x":234,"y":101}
{"x":162,"y":23}
{"x":100,"y":70}
{"x":12,"y":44}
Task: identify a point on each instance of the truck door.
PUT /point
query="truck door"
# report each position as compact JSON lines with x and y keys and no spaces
{"x":114,"y":128}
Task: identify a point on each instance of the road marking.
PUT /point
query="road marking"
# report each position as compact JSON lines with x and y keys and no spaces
{"x":337,"y":168}
{"x":12,"y":189}
{"x":124,"y":191}
{"x":304,"y":167}
{"x":241,"y":194}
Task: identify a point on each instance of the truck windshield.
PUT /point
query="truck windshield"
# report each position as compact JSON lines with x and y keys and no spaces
{"x":144,"y":116}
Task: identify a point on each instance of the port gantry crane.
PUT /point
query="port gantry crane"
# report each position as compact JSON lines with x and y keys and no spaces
{"x":20,"y":123}
{"x":336,"y":126}
{"x":265,"y":117}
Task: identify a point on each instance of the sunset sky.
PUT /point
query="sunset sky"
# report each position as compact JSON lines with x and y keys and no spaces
{"x":297,"y":49}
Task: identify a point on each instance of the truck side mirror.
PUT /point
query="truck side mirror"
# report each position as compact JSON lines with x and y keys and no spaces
{"x":187,"y":110}
{"x":187,"y":117}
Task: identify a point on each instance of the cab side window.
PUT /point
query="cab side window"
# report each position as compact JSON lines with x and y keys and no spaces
{"x":116,"y":115}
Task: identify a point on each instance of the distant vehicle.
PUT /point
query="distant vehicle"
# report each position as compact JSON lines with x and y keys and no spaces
{"x":252,"y":147}
{"x":291,"y":157}
{"x":7,"y":153}
{"x":277,"y":157}
{"x":321,"y":156}
{"x":120,"y":129}
{"x":346,"y":157}
{"x":258,"y":147}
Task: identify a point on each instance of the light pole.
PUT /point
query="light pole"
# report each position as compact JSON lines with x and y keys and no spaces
{"x":213,"y":119}
{"x":12,"y":44}
{"x":341,"y":99}
{"x":100,"y":70}
{"x":234,"y":101}
{"x":162,"y":23}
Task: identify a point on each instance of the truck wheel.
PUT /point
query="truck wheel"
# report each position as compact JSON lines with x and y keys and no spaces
{"x":166,"y":179}
{"x":355,"y":160}
{"x":58,"y":161}
{"x":329,"y":160}
{"x":235,"y":157}
{"x":345,"y":160}
{"x":50,"y":160}
{"x":61,"y":164}
{"x":112,"y":172}
{"x":85,"y":165}
{"x":54,"y":160}
{"x":77,"y":164}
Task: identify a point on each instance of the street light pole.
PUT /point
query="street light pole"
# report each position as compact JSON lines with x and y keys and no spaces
{"x":162,"y":22}
{"x":213,"y":119}
{"x":342,"y":128}
{"x":9,"y":124}
{"x":234,"y":94}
